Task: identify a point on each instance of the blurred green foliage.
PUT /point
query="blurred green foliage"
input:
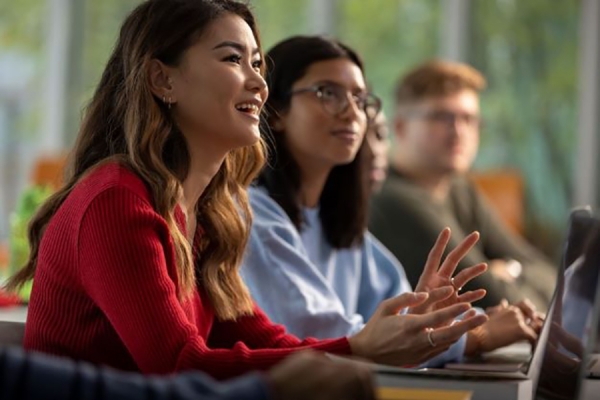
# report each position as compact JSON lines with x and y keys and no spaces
{"x":528,"y":51}
{"x":29,"y":202}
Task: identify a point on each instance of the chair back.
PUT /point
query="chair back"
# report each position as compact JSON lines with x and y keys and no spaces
{"x":505,"y":191}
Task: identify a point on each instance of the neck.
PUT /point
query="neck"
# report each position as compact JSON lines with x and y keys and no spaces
{"x":435,"y":183}
{"x":312,"y":182}
{"x":204,"y":165}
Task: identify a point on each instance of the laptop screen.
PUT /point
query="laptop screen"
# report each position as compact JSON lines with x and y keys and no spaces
{"x":571,"y":317}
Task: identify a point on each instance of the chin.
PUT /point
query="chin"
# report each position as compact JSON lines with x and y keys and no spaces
{"x":246,"y":138}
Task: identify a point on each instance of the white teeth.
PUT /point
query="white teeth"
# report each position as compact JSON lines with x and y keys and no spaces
{"x":248,"y":107}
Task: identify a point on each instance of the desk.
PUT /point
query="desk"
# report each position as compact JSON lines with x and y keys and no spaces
{"x":590,"y":389}
{"x":483,"y":389}
{"x":15,"y":314}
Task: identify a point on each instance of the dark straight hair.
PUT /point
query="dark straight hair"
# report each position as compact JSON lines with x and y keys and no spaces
{"x":343,"y":203}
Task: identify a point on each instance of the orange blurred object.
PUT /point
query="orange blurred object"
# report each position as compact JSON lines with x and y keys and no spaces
{"x":49,"y":170}
{"x":504,"y":190}
{"x":4,"y":254}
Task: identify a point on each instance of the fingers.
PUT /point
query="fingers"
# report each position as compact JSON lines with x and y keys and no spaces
{"x":441,"y":317}
{"x":528,"y":309}
{"x":471,"y":296}
{"x":466,"y":275}
{"x":529,"y":334}
{"x":437,"y":252}
{"x":501,"y":306}
{"x":456,"y":255}
{"x":395,"y":304}
{"x":435,"y":296}
{"x":452,"y":333}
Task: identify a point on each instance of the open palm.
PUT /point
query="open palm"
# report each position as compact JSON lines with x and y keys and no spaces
{"x":438,"y":280}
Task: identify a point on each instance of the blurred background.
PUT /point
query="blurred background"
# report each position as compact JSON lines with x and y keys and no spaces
{"x":541,"y":59}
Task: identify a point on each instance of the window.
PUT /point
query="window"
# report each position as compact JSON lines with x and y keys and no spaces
{"x":528,"y":52}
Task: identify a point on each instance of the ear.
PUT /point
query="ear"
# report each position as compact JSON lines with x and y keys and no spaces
{"x":277,"y":122}
{"x":160,"y":81}
{"x":399,"y":126}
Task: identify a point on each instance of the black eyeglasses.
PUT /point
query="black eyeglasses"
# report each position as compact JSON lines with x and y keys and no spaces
{"x":335,"y":99}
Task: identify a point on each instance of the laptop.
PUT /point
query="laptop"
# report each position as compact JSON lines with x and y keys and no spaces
{"x":581,"y":224}
{"x":569,"y":355}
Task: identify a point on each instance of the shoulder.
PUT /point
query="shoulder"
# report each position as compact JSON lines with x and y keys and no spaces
{"x":269,"y":219}
{"x":111,"y":188}
{"x":265,"y":209}
{"x":399,"y":200}
{"x":110,"y":177}
{"x":400,"y":190}
{"x":263,"y":205}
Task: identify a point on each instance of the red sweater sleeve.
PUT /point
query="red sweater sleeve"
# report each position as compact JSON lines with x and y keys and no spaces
{"x":126,"y":265}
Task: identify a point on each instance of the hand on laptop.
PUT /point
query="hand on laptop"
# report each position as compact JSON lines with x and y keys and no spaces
{"x":438,"y":280}
{"x":506,"y":326}
{"x":533,"y":318}
{"x":405,"y":339}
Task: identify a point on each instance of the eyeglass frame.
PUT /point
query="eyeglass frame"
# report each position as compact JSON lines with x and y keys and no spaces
{"x":448,"y":118}
{"x":318,"y":87}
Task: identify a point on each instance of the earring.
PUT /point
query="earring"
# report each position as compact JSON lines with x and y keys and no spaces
{"x":169,"y":102}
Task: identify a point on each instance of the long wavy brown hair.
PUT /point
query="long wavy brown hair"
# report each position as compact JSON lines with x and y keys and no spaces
{"x":126,"y":123}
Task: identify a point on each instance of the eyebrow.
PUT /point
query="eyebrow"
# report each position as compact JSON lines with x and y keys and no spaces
{"x":235,"y":45}
{"x":356,"y":89}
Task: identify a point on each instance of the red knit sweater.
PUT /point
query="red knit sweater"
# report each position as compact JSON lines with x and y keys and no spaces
{"x":105,"y":291}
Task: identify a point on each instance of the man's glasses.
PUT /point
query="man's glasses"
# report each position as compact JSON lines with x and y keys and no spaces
{"x":335,"y":100}
{"x":448,"y":118}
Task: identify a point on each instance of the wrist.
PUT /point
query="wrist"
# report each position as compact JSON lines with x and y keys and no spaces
{"x":474,"y":341}
{"x":356,"y":346}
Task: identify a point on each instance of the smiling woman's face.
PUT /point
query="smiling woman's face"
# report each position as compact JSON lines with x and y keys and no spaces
{"x":315,"y":136}
{"x":218,"y":89}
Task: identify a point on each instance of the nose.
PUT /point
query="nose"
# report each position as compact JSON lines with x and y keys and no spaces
{"x":256,"y":83}
{"x":353,"y":111}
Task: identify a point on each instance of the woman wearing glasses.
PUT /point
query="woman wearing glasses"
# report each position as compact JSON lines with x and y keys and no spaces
{"x":311,"y":264}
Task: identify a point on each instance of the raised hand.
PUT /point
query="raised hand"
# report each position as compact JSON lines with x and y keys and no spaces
{"x":406,"y":340}
{"x":436,"y":276}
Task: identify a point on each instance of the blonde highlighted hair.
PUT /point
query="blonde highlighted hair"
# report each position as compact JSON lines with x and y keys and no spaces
{"x":125,"y":123}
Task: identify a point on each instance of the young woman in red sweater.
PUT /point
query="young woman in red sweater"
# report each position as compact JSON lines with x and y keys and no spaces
{"x":136,"y":258}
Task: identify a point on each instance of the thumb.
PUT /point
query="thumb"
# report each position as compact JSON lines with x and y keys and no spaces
{"x":395,"y":304}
